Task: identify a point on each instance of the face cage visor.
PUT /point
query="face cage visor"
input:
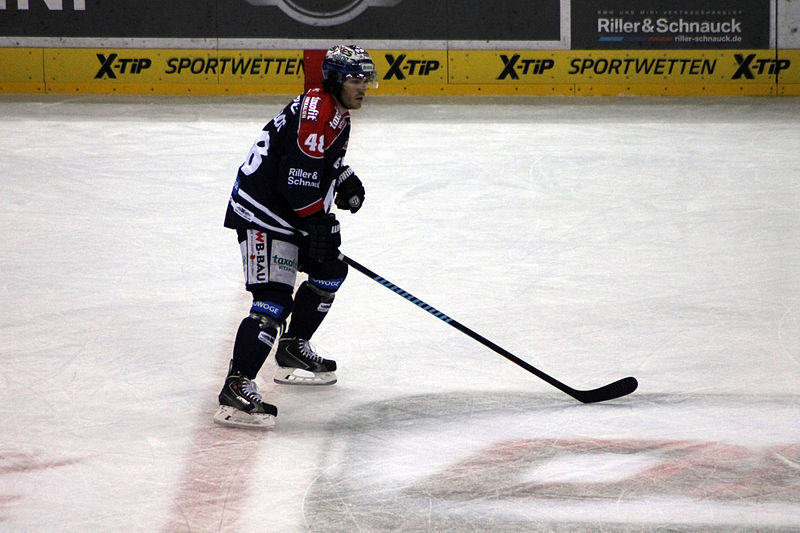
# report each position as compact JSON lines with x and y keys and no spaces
{"x":370,"y":78}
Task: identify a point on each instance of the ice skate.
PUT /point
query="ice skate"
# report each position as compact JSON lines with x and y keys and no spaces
{"x":299,"y":364}
{"x":240,"y":404}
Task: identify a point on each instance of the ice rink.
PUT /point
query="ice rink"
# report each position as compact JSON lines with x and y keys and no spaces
{"x":594,"y":238}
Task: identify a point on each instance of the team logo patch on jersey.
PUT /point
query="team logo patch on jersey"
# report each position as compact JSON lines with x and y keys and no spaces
{"x":302,"y":178}
{"x":336,"y":121}
{"x":311,"y":108}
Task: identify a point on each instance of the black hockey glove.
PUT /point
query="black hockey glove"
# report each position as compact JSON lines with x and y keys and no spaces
{"x":349,"y":191}
{"x":324,"y":238}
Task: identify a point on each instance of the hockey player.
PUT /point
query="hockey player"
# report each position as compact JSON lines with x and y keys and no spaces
{"x":280,"y":209}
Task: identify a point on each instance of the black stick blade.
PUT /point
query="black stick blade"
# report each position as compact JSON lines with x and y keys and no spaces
{"x":620,"y":388}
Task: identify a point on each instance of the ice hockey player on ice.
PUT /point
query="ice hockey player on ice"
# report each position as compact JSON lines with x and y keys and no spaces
{"x":280,"y":207}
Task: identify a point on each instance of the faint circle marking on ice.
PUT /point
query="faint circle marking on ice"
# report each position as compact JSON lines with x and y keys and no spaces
{"x":536,"y":462}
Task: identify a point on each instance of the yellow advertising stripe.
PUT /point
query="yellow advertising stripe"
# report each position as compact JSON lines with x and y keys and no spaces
{"x":411,"y":72}
{"x":790,"y":75}
{"x":21,"y":70}
{"x":612,"y":67}
{"x":173,"y":71}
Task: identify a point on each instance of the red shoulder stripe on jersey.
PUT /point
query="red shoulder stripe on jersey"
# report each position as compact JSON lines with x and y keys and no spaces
{"x":320,"y":123}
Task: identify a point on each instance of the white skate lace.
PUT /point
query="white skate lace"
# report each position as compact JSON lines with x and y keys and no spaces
{"x":308,"y":352}
{"x":250,"y":389}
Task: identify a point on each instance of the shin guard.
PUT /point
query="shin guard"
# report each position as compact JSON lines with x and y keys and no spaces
{"x":311,"y":305}
{"x":254,"y":340}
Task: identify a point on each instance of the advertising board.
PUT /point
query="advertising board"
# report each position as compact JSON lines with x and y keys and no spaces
{"x":670,"y":24}
{"x":419,"y":46}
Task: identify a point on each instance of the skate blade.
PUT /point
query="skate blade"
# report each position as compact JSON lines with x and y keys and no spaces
{"x":230,"y":416}
{"x":298,"y":376}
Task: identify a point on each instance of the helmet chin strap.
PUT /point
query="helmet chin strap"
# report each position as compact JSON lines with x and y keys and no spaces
{"x":338,"y":96}
{"x":336,"y":91}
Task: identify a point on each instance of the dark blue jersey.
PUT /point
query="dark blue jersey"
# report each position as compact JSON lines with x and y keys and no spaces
{"x":292,"y":169}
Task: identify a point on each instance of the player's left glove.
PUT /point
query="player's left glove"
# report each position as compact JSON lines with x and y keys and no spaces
{"x":324,"y":238}
{"x":349,"y":191}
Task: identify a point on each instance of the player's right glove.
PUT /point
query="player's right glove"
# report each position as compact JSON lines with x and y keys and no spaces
{"x":324,"y":238}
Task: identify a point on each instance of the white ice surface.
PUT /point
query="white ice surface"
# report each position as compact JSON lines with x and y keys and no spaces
{"x":593,"y":238}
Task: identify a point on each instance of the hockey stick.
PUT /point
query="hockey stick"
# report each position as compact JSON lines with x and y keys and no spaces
{"x":617,"y":389}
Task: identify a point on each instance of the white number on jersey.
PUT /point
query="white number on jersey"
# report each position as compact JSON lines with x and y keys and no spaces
{"x":259,"y":150}
{"x":314,"y":143}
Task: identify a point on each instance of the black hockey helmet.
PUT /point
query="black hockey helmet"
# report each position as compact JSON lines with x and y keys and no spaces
{"x":347,"y":61}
